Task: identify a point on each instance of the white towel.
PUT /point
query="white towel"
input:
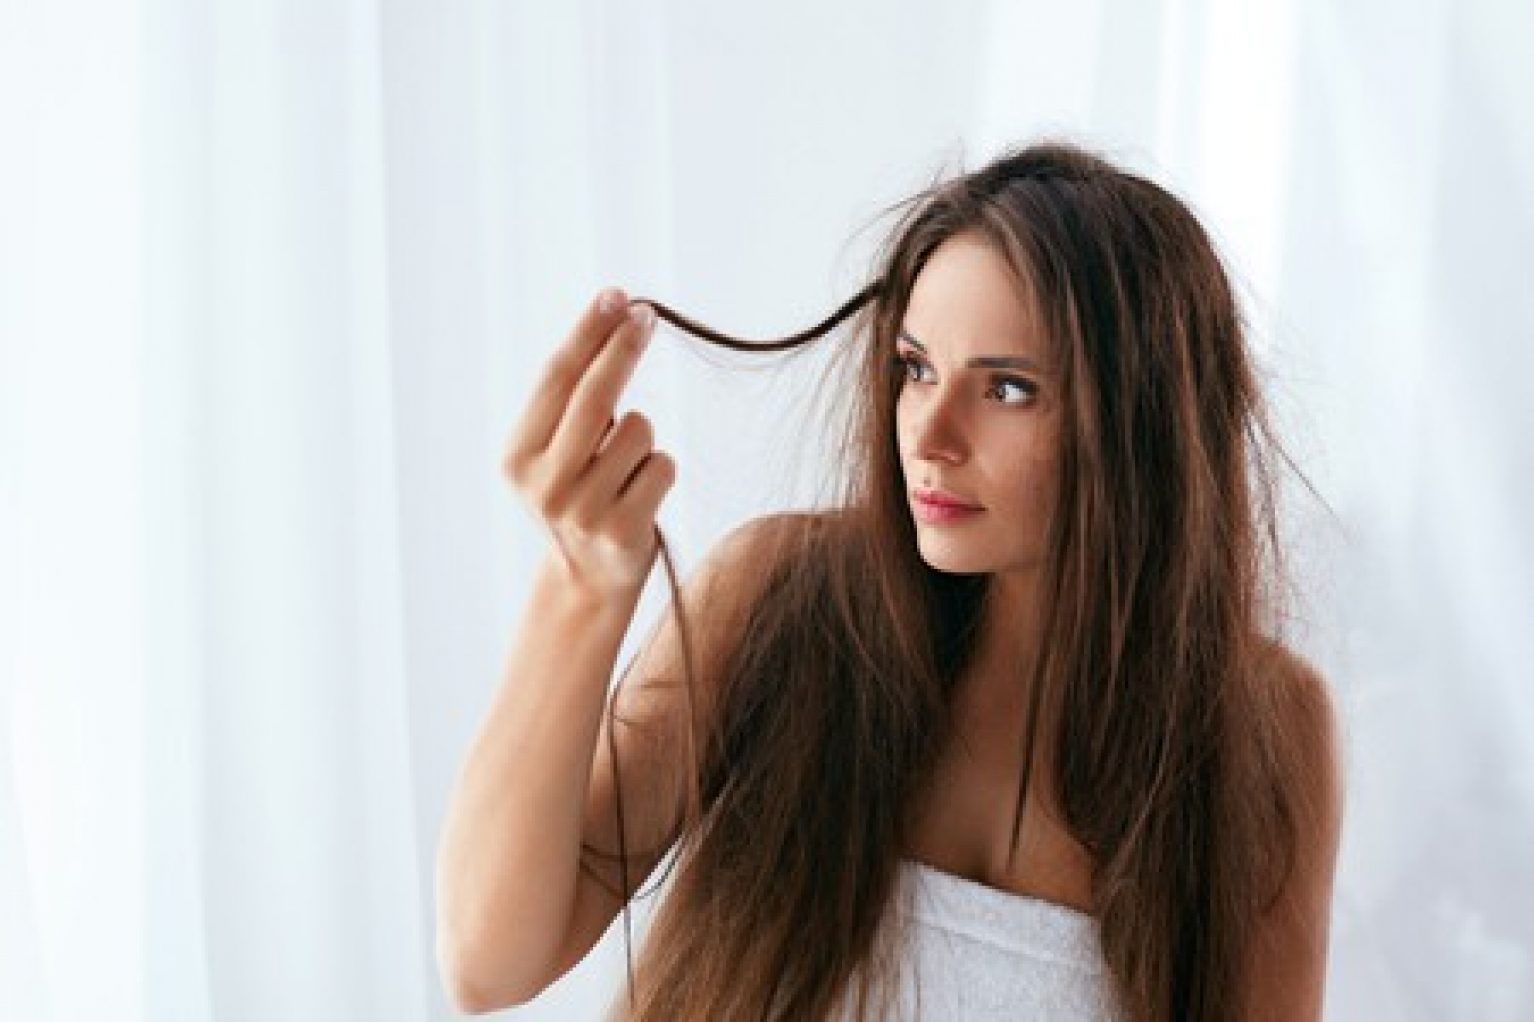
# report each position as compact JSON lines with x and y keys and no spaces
{"x":977,"y":953}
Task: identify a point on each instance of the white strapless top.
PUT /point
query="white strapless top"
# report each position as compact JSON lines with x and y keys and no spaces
{"x":974,"y":952}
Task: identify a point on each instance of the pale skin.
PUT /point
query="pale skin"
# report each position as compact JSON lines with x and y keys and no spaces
{"x":990,"y":435}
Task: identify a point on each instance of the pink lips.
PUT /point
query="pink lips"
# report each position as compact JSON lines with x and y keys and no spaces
{"x":941,"y":498}
{"x":937,"y":507}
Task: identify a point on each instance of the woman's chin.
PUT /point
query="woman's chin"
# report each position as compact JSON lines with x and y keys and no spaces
{"x":946,"y":556}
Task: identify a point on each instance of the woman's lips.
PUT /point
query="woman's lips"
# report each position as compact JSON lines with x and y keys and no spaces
{"x":943,"y":498}
{"x":939,"y":511}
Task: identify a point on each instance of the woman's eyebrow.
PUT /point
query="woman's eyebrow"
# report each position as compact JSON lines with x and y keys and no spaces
{"x":981,"y":361}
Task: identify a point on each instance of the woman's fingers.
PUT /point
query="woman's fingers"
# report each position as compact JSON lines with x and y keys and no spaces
{"x":595,"y":482}
{"x":563,"y":372}
{"x":591,"y":406}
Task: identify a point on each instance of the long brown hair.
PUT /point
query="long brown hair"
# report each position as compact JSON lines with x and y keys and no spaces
{"x":1154,"y":692}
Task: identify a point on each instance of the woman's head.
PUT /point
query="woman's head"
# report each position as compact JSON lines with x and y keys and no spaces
{"x":1128,"y":423}
{"x":1117,"y":459}
{"x":978,"y":410}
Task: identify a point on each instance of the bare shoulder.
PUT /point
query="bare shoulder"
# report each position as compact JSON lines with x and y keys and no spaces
{"x":733,"y":573}
{"x":1307,"y":706}
{"x":716,"y":599}
{"x":756,"y":546}
{"x":1310,"y":745}
{"x":1286,"y":967}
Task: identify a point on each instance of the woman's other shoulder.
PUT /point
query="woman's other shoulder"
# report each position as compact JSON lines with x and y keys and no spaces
{"x":1286,"y":962}
{"x":758,"y":545}
{"x":1303,"y":696}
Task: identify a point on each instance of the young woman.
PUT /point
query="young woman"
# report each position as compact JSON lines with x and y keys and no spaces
{"x":1007,"y":731}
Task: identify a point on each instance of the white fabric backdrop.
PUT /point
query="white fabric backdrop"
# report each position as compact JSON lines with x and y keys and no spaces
{"x":274,"y":280}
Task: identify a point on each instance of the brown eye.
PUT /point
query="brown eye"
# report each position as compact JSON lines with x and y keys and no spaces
{"x":904,"y":363}
{"x":1029,"y":389}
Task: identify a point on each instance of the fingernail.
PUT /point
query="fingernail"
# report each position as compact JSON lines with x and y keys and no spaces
{"x":644,"y":317}
{"x":609,"y":299}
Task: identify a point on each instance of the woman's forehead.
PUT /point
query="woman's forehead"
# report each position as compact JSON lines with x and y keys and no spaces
{"x":967,"y":303}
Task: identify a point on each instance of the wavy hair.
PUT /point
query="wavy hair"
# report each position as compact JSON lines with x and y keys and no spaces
{"x":1164,"y":593}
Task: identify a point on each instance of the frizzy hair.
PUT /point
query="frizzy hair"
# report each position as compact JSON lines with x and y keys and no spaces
{"x":1157,"y":694}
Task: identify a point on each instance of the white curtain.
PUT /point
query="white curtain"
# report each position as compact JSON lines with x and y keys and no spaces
{"x":275,"y":278}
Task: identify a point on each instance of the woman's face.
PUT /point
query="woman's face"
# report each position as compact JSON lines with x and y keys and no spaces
{"x":986,"y":433}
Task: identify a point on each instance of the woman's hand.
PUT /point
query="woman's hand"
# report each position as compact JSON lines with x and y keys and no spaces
{"x":595,"y":484}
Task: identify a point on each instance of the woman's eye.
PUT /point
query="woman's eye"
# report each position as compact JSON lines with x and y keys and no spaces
{"x":905,"y":363}
{"x":1027,"y":389}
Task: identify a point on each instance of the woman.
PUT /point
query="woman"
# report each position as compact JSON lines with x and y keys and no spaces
{"x":1030,"y":748}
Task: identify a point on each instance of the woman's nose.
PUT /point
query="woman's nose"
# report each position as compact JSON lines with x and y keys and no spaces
{"x":937,"y":434}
